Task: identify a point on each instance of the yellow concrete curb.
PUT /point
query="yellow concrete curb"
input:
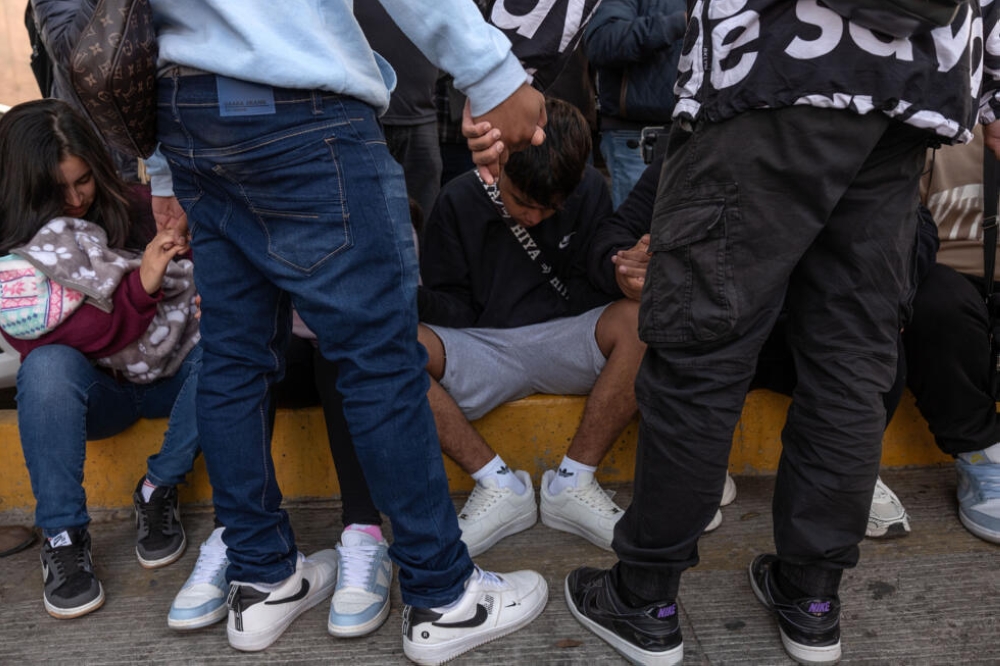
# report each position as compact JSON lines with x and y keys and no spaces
{"x":530,"y":434}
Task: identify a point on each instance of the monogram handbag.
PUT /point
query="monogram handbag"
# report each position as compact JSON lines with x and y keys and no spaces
{"x":113,"y":74}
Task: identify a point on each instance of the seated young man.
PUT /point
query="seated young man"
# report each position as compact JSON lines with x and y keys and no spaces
{"x":510,"y":307}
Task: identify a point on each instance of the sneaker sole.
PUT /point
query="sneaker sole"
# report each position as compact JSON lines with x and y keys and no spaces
{"x":894,"y":530}
{"x":70,"y":613}
{"x":803,"y":654}
{"x":977,"y":529}
{"x":564,"y":525}
{"x":199,"y":622}
{"x":163,"y":561}
{"x":433,"y":655}
{"x":355,"y":630}
{"x":523,"y":522}
{"x":633,"y":653}
{"x":261,"y":640}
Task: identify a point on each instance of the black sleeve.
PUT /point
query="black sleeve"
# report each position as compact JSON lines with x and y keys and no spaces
{"x":623,"y":229}
{"x":445,"y":297}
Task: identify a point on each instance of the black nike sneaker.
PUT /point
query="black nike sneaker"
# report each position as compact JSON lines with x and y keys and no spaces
{"x":160,"y":538}
{"x":648,"y":635}
{"x":257,"y":618}
{"x":810,"y":627}
{"x":493,"y":605}
{"x":71,"y":586}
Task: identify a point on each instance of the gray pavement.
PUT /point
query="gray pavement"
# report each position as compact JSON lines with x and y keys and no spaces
{"x":929,"y":598}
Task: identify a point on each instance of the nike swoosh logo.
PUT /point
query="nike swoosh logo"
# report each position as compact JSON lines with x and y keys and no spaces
{"x":303,"y":591}
{"x":564,"y":243}
{"x":474,"y":621}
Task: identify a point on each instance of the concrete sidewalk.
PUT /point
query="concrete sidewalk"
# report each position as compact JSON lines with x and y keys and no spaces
{"x":929,"y":598}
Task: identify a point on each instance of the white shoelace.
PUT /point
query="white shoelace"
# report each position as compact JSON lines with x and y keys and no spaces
{"x":594,"y":497}
{"x":211,"y":560}
{"x":357,"y":564}
{"x":489,"y":579}
{"x":482,"y":499}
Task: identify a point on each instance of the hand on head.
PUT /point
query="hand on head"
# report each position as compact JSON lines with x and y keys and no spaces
{"x":514,"y":124}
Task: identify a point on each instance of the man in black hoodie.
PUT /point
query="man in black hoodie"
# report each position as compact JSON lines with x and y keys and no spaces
{"x":511,"y":305}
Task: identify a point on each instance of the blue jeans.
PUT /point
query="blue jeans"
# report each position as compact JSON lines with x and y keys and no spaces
{"x":63,"y":401}
{"x":624,"y":162}
{"x":305,"y":206}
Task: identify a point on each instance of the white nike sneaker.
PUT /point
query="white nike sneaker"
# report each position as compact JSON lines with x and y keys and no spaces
{"x":492,"y":513}
{"x":493,"y":605}
{"x":585,"y":510}
{"x":257,"y":618}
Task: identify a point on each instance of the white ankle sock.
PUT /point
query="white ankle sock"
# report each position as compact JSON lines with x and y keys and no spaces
{"x":504,"y":476}
{"x":568,"y":475}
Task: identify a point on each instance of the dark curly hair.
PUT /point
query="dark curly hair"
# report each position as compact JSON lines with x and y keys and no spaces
{"x":548,"y":174}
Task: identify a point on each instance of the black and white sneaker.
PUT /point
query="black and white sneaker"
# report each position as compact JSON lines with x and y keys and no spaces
{"x":492,"y":606}
{"x":257,"y":618}
{"x":649,"y":635}
{"x":71,"y":587}
{"x":810,"y":627}
{"x":159,"y":538}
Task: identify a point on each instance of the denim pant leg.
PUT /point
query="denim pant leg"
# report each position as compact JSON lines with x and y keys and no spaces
{"x":62,"y":401}
{"x":732,"y":221}
{"x":174,"y":397}
{"x":307,"y":202}
{"x":624,"y":162}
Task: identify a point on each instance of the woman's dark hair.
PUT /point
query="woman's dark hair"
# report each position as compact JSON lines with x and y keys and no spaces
{"x":548,"y":174}
{"x":34,"y":138}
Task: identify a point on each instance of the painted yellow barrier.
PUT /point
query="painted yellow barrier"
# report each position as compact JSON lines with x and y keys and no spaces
{"x":530,"y":434}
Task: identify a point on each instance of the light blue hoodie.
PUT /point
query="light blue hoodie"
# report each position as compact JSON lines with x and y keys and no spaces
{"x":318,"y":44}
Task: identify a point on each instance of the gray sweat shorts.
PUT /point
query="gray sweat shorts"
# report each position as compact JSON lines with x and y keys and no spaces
{"x":486,"y":367}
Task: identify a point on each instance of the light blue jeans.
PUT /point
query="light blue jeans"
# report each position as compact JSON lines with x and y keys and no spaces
{"x":306,"y":206}
{"x":623,"y":161}
{"x":63,"y":401}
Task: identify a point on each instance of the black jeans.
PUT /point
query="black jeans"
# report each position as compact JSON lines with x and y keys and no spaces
{"x":948,"y":356}
{"x":811,"y":208}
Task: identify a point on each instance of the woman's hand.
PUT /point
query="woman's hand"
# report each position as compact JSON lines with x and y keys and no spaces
{"x":165,"y":246}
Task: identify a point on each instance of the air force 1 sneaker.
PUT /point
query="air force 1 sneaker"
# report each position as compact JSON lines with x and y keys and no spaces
{"x":492,"y":513}
{"x":258,"y":618}
{"x":493,"y":605}
{"x":585,"y":510}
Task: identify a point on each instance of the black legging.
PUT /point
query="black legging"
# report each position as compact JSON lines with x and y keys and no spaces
{"x":310,"y":379}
